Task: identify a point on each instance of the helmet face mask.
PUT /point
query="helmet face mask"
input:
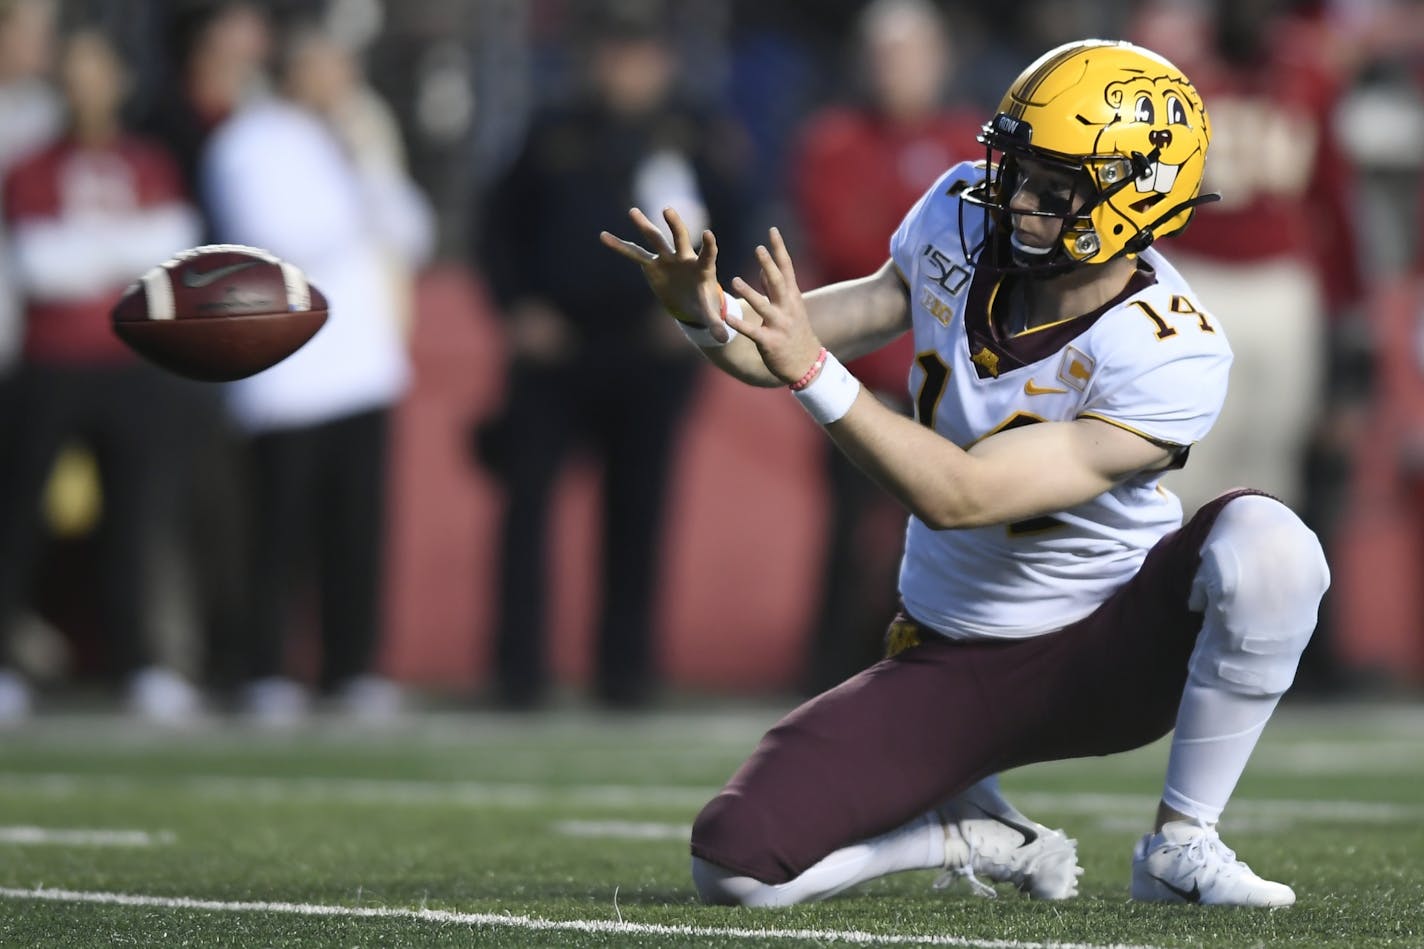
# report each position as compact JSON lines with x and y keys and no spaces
{"x":1128,"y":123}
{"x":1057,"y":195}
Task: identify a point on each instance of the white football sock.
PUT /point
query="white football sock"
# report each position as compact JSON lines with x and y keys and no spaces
{"x":918,"y":845}
{"x":1216,"y":733}
{"x":1259,"y":586}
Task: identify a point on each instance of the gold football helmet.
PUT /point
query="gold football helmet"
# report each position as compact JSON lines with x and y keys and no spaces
{"x":1121,"y":115}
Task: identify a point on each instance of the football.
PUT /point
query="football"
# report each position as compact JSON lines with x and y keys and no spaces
{"x":219,"y":312}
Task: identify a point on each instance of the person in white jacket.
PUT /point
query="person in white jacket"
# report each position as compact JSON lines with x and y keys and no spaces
{"x":278,"y":176}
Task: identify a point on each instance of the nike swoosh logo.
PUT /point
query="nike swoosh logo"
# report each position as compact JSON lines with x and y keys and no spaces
{"x":1191,"y":896}
{"x":1028,"y":833}
{"x":196,"y":280}
{"x":1031,"y":389}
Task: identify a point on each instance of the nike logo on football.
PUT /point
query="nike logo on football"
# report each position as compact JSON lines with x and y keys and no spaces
{"x":196,"y":280}
{"x":1031,"y":389}
{"x":1191,"y":896}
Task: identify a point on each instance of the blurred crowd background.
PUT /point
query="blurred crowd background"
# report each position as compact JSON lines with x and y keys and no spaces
{"x":499,"y":477}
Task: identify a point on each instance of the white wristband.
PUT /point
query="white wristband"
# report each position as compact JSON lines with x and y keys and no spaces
{"x":703,"y":337}
{"x":831,"y":394}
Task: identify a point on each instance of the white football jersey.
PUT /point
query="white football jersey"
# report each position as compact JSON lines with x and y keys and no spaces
{"x":1152,"y":361}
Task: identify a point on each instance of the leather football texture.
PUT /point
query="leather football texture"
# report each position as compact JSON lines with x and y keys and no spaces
{"x":220,"y":312}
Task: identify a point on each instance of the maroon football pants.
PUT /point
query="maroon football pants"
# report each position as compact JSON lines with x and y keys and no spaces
{"x":921,"y":726}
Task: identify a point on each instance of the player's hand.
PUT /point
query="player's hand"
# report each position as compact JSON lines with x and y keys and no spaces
{"x":785,"y":339}
{"x":684,"y":281}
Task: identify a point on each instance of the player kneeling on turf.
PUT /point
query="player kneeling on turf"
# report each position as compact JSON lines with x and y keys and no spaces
{"x":1055,"y":605}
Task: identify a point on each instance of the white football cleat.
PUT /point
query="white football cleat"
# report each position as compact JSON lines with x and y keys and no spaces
{"x":16,"y":698}
{"x":986,"y":835}
{"x":371,"y":699}
{"x":1186,"y":862}
{"x":163,"y":697}
{"x":275,"y":702}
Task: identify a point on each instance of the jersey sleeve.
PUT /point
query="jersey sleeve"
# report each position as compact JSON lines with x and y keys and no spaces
{"x":1168,"y":389}
{"x":935,"y":213}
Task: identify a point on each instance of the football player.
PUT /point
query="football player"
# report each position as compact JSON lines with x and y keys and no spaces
{"x":1054,"y":604}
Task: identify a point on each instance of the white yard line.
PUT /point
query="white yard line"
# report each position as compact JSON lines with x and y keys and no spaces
{"x":613,"y":795}
{"x":736,"y":725}
{"x":85,"y":837}
{"x":365,"y":790}
{"x":623,"y":829}
{"x":626,"y":830}
{"x":533,"y":923}
{"x":416,"y":793}
{"x":1350,"y":812}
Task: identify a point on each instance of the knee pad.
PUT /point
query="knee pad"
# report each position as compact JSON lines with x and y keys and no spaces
{"x":1259,"y":586}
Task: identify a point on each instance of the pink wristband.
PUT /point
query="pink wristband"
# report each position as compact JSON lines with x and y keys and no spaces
{"x":830,"y":395}
{"x":811,"y":373}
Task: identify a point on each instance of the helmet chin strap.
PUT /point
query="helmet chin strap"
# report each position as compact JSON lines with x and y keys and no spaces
{"x":1144,"y":238}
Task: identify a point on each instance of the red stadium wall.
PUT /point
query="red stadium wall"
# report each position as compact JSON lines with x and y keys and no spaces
{"x":1377,"y":558}
{"x":742,"y":551}
{"x":741,"y":557}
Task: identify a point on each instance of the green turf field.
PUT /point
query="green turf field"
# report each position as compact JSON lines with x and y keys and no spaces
{"x":570,"y":829}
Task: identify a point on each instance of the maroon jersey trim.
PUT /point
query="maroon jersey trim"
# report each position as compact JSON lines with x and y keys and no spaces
{"x":981,"y":327}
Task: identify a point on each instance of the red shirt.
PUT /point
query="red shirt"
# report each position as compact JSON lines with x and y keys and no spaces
{"x":853,"y":178}
{"x":1286,"y":186}
{"x":64,"y":190}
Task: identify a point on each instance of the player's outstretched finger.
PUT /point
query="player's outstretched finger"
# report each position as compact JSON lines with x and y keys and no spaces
{"x":707,"y":256}
{"x":782,"y":256}
{"x":634,"y":252}
{"x":763,"y":307}
{"x":770,"y":275}
{"x":681,"y":241}
{"x":654,"y":235}
{"x":738,"y":321}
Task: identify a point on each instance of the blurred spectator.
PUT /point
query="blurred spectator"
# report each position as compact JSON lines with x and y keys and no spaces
{"x":784,"y":61}
{"x":87,"y":215}
{"x":330,"y":83}
{"x":216,"y":59}
{"x":855,"y":173}
{"x":278,"y":176}
{"x":1278,"y":262}
{"x":219,"y":51}
{"x":1277,"y":258}
{"x":592,"y":358}
{"x":30,"y":116}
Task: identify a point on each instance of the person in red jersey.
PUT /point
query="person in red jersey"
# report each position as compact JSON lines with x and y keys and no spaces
{"x":30,"y":115}
{"x":87,"y":215}
{"x":855,"y":171}
{"x":1278,"y":258}
{"x":1055,"y":605}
